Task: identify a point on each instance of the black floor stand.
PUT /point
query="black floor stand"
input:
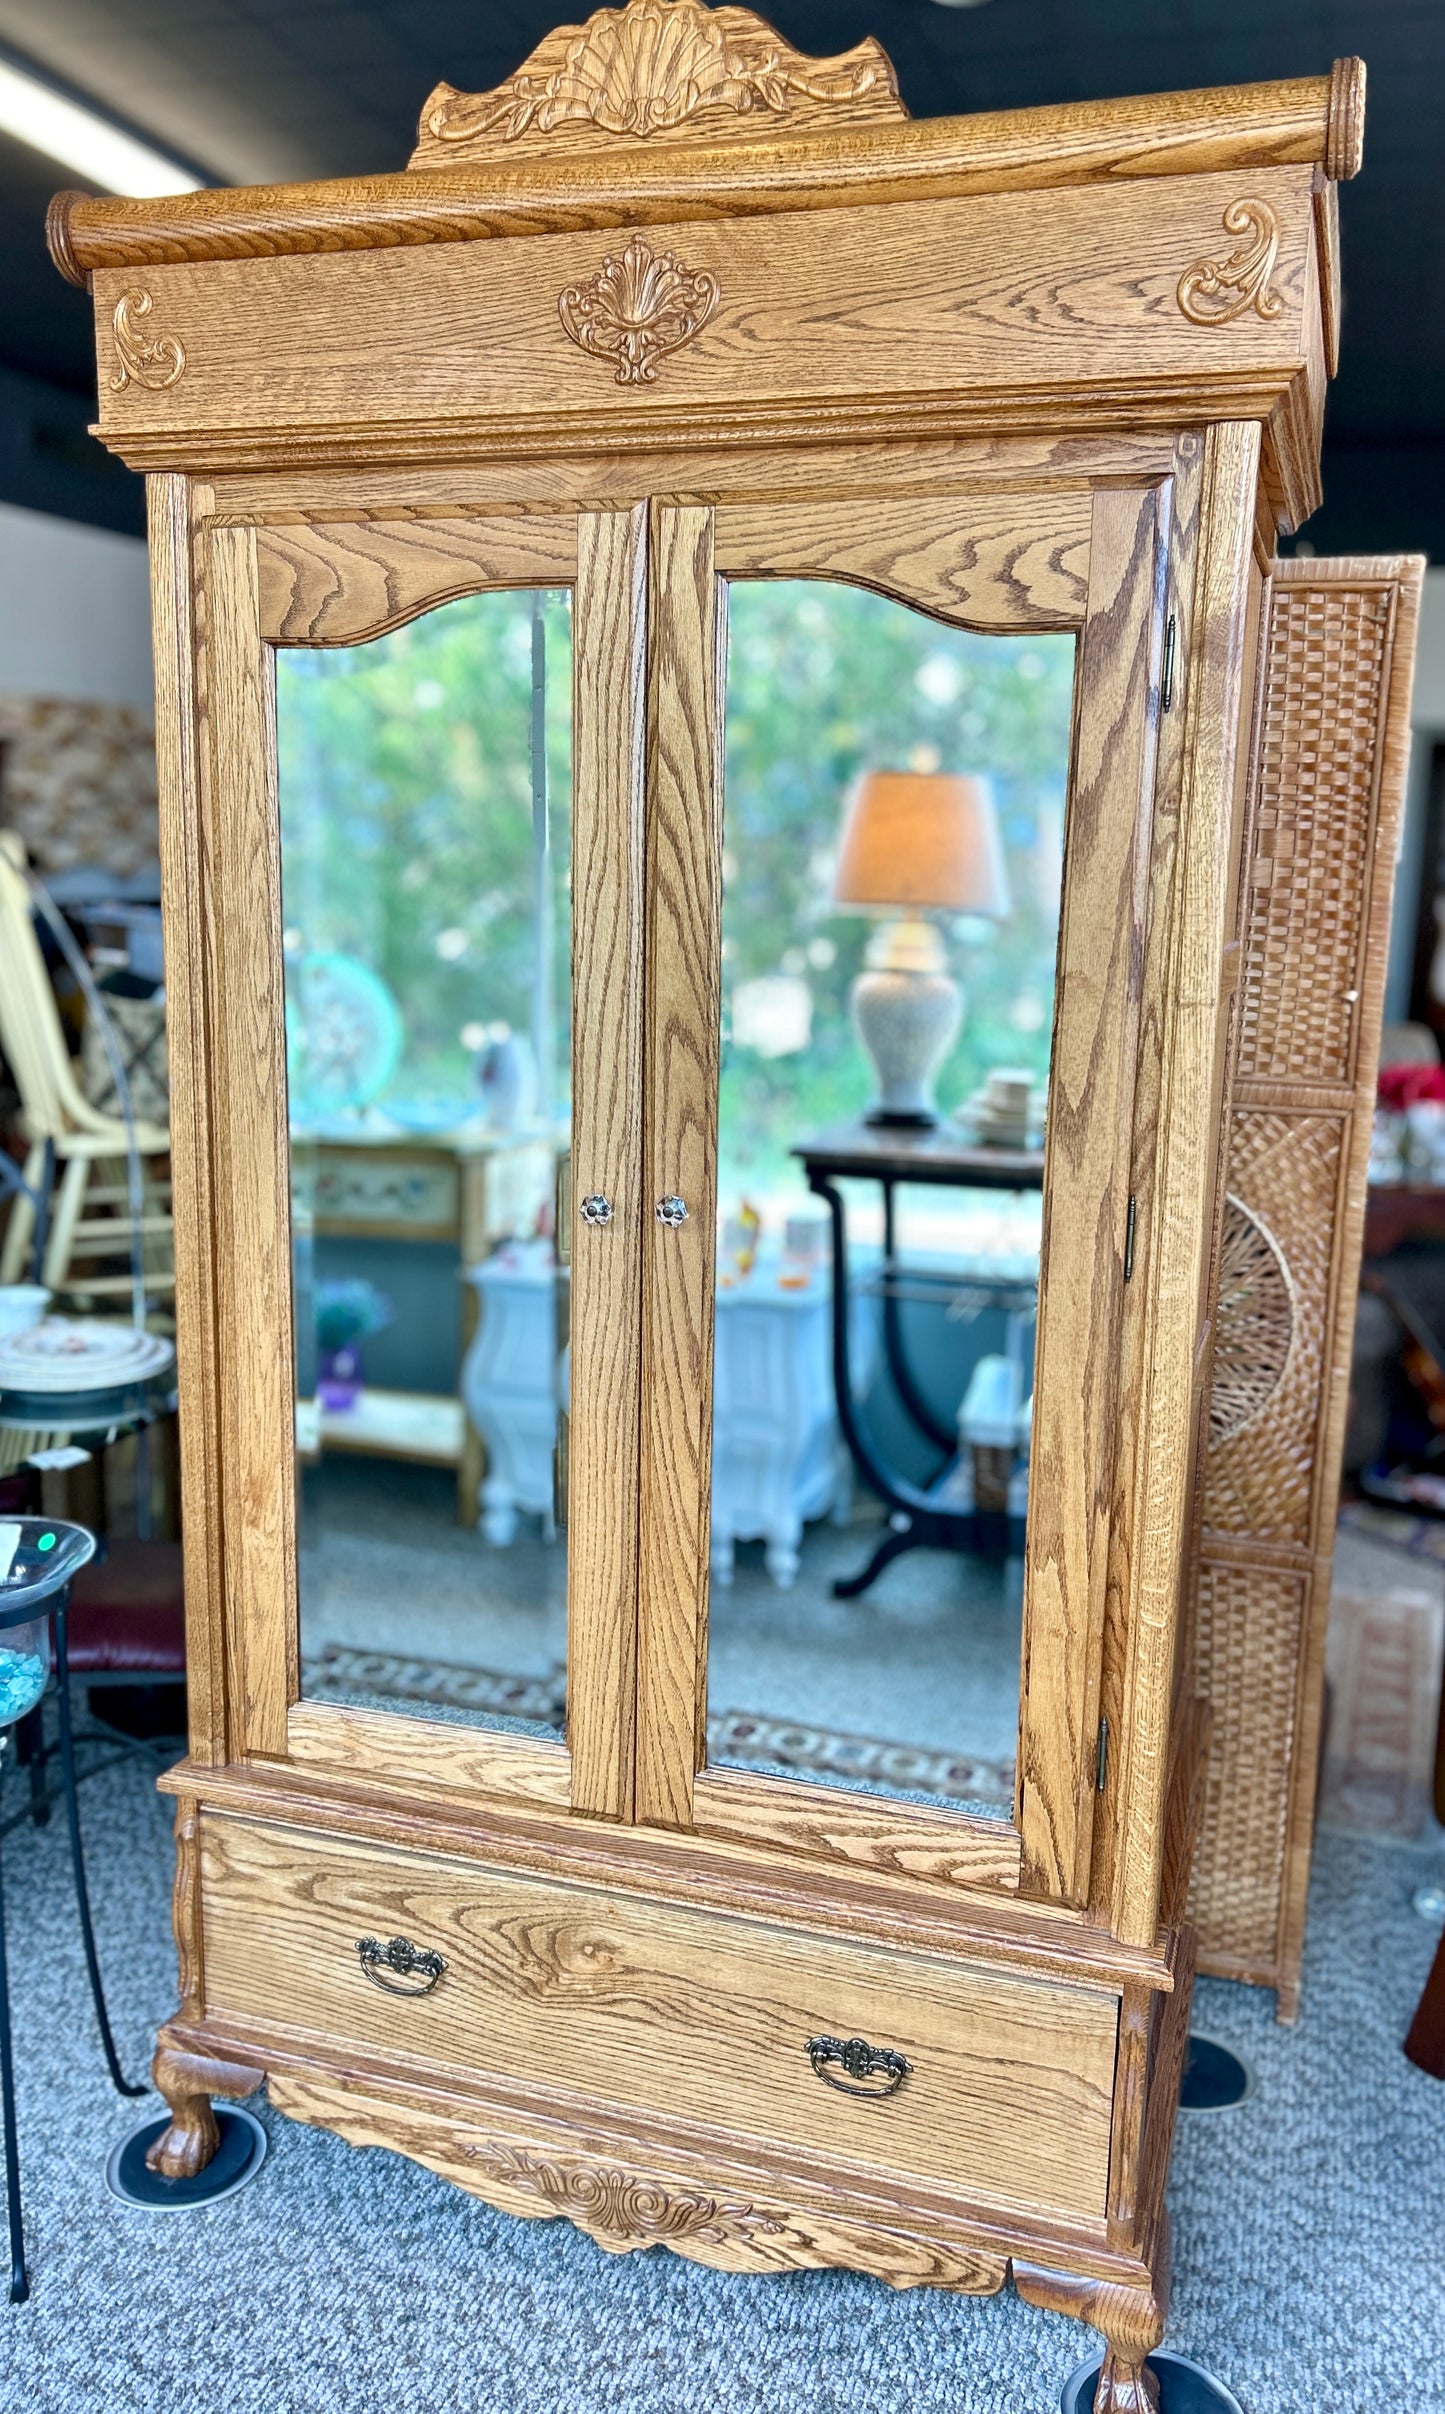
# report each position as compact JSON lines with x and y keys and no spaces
{"x":1184,"y":2386}
{"x":119,"y":2080}
{"x":19,"y":2283}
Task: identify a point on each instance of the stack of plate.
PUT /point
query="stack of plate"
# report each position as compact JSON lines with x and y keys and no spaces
{"x":60,"y":1355}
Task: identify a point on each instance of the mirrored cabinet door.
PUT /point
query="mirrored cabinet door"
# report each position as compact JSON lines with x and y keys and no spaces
{"x":916,"y":768}
{"x":459,"y":1364}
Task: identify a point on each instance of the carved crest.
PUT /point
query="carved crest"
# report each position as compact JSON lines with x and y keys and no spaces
{"x":646,"y":71}
{"x":619,"y":2209}
{"x":1213,"y":292}
{"x":640,"y":305}
{"x":145,"y":360}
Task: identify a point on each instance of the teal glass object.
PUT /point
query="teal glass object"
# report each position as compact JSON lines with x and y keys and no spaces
{"x":37,"y":1561}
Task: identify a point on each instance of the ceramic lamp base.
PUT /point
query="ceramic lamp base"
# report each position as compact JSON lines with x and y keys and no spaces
{"x":908,"y":1013}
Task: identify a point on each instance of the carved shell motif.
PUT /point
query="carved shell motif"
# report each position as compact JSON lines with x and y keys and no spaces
{"x":639,"y":306}
{"x":1213,"y":292}
{"x":646,"y":69}
{"x":621,"y":2211}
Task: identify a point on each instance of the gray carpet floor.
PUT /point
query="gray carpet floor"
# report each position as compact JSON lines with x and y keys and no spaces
{"x":1309,"y":2245}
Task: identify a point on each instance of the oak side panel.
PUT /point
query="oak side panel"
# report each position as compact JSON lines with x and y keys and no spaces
{"x":993,"y":562}
{"x":251,"y":1200}
{"x":609,"y":720}
{"x":684,"y":971}
{"x":1179,"y":1207}
{"x":1086,"y":1186}
{"x":188,"y":1028}
{"x":345,"y":581}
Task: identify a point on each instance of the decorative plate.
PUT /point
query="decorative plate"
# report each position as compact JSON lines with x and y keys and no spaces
{"x":62,"y":1355}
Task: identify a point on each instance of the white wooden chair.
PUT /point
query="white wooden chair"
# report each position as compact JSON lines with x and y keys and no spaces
{"x":91,"y":1224}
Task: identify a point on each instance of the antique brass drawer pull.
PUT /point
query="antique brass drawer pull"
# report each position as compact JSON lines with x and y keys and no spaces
{"x":861,"y":2061}
{"x":405,"y":1959}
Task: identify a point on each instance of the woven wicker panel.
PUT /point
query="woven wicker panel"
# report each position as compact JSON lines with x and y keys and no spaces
{"x":1328,"y":652}
{"x":1250,"y":1626}
{"x":1283,"y":1181}
{"x":1327,"y":786}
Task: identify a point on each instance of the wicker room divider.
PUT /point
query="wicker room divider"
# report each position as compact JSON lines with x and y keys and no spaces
{"x":1328,"y":775}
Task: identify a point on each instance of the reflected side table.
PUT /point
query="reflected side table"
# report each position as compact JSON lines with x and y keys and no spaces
{"x":918,"y":1515}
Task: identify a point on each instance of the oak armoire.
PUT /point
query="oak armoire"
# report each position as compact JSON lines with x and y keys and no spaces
{"x":674,"y":379}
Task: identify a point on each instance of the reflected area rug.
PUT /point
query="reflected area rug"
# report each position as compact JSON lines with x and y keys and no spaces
{"x":736,"y":1738}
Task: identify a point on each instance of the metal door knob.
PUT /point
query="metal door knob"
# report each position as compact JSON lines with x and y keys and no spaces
{"x":596,"y":1208}
{"x":671,"y":1211}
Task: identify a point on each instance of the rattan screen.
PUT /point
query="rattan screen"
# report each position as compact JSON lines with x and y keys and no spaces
{"x":1328,"y":778}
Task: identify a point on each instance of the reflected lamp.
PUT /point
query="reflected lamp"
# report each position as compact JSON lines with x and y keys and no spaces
{"x":915,"y":846}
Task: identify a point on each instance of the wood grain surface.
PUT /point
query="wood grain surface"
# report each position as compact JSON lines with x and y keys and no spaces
{"x":627,"y":2197}
{"x":251,"y":1200}
{"x":604,"y":1468}
{"x":1179,"y":1206}
{"x":684,"y":973}
{"x":454,"y":1758}
{"x":1086,"y":1187}
{"x":1237,"y":129}
{"x":346,"y":581}
{"x":673,"y":2012}
{"x":745,"y":469}
{"x":1016,"y":561}
{"x":827,"y":1823}
{"x":185,"y":904}
{"x":1072,"y":295}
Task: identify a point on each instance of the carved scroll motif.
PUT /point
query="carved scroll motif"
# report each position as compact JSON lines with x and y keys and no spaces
{"x":639,"y":307}
{"x":145,"y":360}
{"x":620,"y":2210}
{"x":1213,"y":292}
{"x":645,"y":70}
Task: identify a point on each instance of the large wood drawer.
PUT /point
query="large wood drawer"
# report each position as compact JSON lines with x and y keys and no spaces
{"x":665,"y":2010}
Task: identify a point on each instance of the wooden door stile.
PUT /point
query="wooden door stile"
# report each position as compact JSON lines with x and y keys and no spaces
{"x":187,"y":901}
{"x":608,"y":840}
{"x":257,"y":1407}
{"x":684,"y":972}
{"x":1086,"y":1184}
{"x":1215,"y":699}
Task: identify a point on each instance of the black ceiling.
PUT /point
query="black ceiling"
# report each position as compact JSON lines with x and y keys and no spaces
{"x":255,"y":90}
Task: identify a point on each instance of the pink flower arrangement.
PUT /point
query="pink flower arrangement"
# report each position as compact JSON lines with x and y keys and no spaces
{"x":1403,"y":1086}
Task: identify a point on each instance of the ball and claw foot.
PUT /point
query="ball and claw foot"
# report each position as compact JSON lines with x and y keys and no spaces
{"x":188,"y":2082}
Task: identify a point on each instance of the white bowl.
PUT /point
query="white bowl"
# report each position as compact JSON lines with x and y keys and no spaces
{"x":22,"y":1304}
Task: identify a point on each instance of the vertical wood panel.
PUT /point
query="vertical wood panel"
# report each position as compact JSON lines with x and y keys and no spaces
{"x":187,"y":1033}
{"x":684,"y":884}
{"x":1086,"y":1188}
{"x":251,"y":1200}
{"x":609,"y":725}
{"x":1180,"y":1209}
{"x":1163,"y":845}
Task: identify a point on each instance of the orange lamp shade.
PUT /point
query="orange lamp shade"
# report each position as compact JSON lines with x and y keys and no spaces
{"x":925,"y":840}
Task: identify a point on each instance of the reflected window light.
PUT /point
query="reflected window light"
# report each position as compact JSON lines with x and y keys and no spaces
{"x":773,"y":1016}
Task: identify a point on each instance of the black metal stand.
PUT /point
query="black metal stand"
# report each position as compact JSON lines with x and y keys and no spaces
{"x":119,"y":2080}
{"x":919,"y":1514}
{"x":19,"y":2284}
